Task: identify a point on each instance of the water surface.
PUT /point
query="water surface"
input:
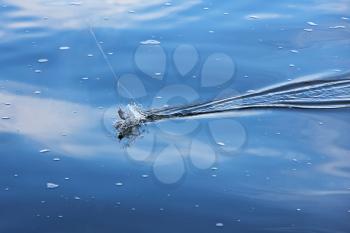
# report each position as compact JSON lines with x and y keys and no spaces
{"x":66,"y":66}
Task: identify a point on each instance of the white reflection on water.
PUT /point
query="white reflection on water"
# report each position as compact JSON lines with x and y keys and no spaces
{"x":105,"y":13}
{"x":62,"y":126}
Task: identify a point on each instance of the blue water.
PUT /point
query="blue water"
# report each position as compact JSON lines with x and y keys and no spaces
{"x":66,"y":67}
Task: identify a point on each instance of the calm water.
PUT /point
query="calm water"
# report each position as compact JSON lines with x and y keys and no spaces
{"x":67,"y":65}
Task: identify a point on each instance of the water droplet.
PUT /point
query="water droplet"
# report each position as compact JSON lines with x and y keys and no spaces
{"x":42,"y":60}
{"x":312,"y":23}
{"x":219,"y":224}
{"x":119,"y":184}
{"x":37,"y":92}
{"x":44,"y":151}
{"x":56,"y":159}
{"x":64,"y":48}
{"x":37,"y":71}
{"x":308,"y":29}
{"x":76,"y":198}
{"x":150,"y":42}
{"x":51,"y":185}
{"x":337,"y":27}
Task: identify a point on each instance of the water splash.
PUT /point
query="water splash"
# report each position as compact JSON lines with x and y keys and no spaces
{"x":310,"y":94}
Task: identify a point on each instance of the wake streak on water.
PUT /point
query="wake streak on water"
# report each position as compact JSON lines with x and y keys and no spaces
{"x":314,"y":94}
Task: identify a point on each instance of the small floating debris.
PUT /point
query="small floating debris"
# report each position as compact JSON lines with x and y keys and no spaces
{"x":150,"y":42}
{"x":219,"y":224}
{"x":337,"y":27}
{"x":5,"y":118}
{"x":64,"y":48}
{"x":44,"y":150}
{"x":119,"y":184}
{"x":308,"y":29}
{"x":51,"y":185}
{"x":312,"y":23}
{"x":43,"y":60}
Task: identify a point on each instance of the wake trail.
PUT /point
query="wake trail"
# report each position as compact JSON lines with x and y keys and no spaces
{"x":312,"y":94}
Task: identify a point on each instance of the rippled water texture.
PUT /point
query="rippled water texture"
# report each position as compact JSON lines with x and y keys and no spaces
{"x":66,"y":67}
